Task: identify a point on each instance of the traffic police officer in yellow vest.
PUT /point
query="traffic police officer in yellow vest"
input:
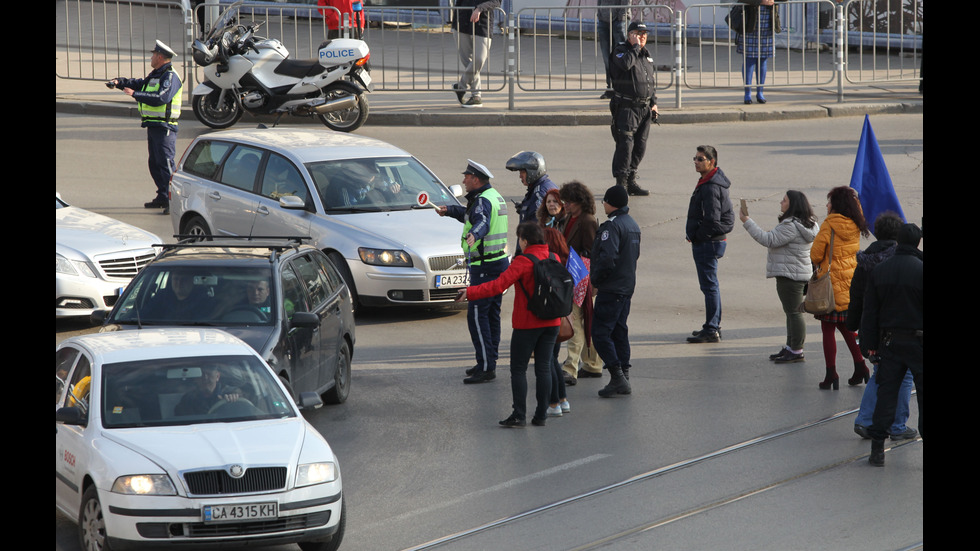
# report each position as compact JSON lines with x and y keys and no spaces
{"x":484,"y":242}
{"x":158,"y":97}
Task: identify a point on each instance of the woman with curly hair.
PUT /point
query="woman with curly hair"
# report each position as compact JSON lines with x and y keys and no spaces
{"x":579,"y":226}
{"x":844,"y":226}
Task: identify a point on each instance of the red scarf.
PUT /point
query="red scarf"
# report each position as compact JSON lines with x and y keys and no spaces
{"x":706,"y":177}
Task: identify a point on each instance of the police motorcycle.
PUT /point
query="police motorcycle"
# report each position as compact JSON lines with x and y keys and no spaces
{"x":247,"y":72}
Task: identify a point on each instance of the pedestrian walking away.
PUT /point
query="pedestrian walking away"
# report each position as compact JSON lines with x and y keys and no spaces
{"x":886,"y":229}
{"x":158,"y":98}
{"x":473,"y":24}
{"x":531,"y":335}
{"x":484,"y":243}
{"x":615,"y":252}
{"x":633,"y":105}
{"x":710,"y":219}
{"x":835,"y":249}
{"x":788,"y":262}
{"x":891,"y":330}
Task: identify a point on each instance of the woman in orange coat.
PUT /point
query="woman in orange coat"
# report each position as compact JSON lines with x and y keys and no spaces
{"x":846,"y":220}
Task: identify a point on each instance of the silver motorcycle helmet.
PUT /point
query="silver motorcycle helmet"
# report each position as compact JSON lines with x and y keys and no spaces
{"x":203,"y":55}
{"x":531,"y":161}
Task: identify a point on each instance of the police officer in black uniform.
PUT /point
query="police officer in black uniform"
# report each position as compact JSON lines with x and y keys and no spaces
{"x":891,"y":329}
{"x":633,"y":104}
{"x":159,"y":98}
{"x":613,"y":272}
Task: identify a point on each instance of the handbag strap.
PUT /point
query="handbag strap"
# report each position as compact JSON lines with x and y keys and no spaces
{"x":830,"y":252}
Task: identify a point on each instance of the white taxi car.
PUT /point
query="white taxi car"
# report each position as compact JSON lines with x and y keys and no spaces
{"x":185,"y":437}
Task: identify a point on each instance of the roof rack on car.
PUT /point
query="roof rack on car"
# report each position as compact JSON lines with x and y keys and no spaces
{"x":276,"y":243}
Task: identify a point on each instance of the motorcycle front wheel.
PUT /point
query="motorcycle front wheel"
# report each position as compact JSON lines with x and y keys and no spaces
{"x":345,"y":120}
{"x":215,"y":111}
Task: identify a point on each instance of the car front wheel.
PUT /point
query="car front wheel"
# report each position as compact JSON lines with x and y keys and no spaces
{"x":91,"y":524}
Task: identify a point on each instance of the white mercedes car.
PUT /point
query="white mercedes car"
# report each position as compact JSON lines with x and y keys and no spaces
{"x":184,"y":437}
{"x":95,"y":257}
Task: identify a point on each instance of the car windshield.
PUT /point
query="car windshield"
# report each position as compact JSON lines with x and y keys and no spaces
{"x":190,"y":391}
{"x":198,"y":295}
{"x":384,"y":183}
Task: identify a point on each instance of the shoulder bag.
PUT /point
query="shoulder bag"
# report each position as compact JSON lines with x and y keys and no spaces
{"x":820,"y":289}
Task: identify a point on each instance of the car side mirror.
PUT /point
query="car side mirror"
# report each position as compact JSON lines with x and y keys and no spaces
{"x":304,"y":319}
{"x":309,"y":400}
{"x":457,"y":190}
{"x":70,"y":416}
{"x":97,"y":317}
{"x":292,"y":202}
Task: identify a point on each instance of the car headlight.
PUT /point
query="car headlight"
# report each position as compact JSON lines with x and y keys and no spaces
{"x":385,"y":257}
{"x":63,"y":265}
{"x":315,"y":473}
{"x":144,"y":485}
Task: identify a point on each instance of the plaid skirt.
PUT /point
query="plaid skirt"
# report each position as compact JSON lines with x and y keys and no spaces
{"x":833,"y":317}
{"x":758,"y":44}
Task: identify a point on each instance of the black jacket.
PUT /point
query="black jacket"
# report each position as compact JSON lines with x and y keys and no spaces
{"x":893,"y":297}
{"x":461,"y":17}
{"x":875,"y":254}
{"x":632,"y":71}
{"x":710,"y":215}
{"x":614,"y":254}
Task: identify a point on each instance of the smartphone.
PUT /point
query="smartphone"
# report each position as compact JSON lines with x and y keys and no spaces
{"x":744,"y":208}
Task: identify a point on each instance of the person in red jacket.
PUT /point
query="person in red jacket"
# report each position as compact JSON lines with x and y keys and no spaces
{"x":532,"y":335}
{"x":355,"y":14}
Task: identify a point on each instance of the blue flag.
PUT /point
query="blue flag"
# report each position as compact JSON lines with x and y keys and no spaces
{"x":575,"y":266}
{"x":870,"y":179}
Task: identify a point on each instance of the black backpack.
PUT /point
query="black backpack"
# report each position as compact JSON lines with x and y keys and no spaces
{"x":553,"y":288}
{"x":736,"y":19}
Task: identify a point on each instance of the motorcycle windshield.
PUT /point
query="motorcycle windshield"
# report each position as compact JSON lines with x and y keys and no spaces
{"x":226,"y":20}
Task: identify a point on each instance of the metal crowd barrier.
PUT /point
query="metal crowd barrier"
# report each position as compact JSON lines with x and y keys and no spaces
{"x":532,"y":49}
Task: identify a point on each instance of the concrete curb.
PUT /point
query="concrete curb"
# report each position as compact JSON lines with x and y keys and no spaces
{"x":567,"y":118}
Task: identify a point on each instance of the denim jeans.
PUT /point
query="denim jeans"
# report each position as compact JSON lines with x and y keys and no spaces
{"x":524,"y":343}
{"x":609,"y":33}
{"x":483,"y":315}
{"x":870,"y":398}
{"x":706,"y":255}
{"x":610,"y":334}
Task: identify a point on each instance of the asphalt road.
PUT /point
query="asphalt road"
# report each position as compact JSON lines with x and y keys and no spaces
{"x":717,"y":448}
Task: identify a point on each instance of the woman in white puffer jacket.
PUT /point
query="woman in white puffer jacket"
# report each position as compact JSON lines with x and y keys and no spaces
{"x":788,"y":261}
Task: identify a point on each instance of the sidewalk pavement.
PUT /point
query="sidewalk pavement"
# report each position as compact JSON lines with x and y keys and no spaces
{"x":569,"y":108}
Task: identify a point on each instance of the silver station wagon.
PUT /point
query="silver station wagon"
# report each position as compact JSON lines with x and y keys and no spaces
{"x":358,"y":199}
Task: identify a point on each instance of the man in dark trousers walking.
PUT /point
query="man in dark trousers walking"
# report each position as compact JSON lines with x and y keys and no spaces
{"x":891,"y":329}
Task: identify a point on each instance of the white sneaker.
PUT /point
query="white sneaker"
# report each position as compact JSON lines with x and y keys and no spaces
{"x":565,"y":406}
{"x":554,"y":411}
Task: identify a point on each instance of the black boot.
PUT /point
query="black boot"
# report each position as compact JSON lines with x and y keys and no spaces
{"x":617,"y":385}
{"x":877,"y":458}
{"x":621,"y":181}
{"x":632,"y":188}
